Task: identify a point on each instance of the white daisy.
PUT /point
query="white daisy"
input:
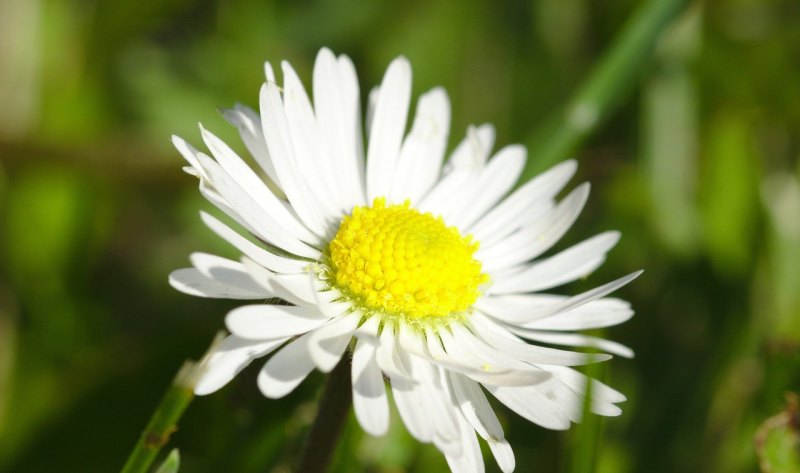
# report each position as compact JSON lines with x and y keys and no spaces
{"x":430,"y":275}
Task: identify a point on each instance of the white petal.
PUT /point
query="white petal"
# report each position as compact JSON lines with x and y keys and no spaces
{"x":550,"y":404}
{"x":286,"y":369}
{"x":532,"y":241}
{"x":491,"y":356}
{"x":263,"y":223}
{"x":328,"y":343}
{"x":351,"y":94}
{"x":247,"y":121}
{"x":586,"y":317}
{"x":476,"y":408}
{"x":336,"y":104}
{"x":425,"y":407}
{"x":495,"y":181}
{"x":264,"y":321}
{"x":269,"y":72}
{"x":511,"y":346}
{"x":193,"y":282}
{"x":445,"y":194}
{"x":294,"y":288}
{"x":577,"y":381}
{"x":309,"y":150}
{"x":564,"y":267}
{"x":388,"y":126}
{"x":328,"y":300}
{"x":467,"y":154}
{"x":230,"y":357}
{"x":293,"y":178}
{"x":368,"y":331}
{"x":502,"y":220}
{"x":461,"y":360}
{"x":389,"y":358}
{"x":422,"y":153}
{"x":372,"y":101}
{"x":503,"y":455}
{"x":253,"y":186}
{"x":269,"y":260}
{"x":370,"y":402}
{"x":442,"y":411}
{"x":189,"y":153}
{"x":593,"y":295}
{"x":469,"y":460}
{"x":224,"y":270}
{"x":410,"y":399}
{"x":521,"y":308}
{"x":575,"y":340}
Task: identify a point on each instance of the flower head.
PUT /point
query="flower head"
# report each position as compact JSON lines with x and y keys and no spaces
{"x":431,"y":275}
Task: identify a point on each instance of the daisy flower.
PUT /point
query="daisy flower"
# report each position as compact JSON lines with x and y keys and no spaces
{"x":429,"y":274}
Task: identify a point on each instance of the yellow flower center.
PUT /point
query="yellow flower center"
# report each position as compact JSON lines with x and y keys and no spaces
{"x":398,"y":261}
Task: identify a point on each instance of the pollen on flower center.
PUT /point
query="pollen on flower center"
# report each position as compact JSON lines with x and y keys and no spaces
{"x":396,"y":260}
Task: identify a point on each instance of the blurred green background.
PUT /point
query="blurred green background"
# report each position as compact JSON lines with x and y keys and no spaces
{"x":698,"y":168}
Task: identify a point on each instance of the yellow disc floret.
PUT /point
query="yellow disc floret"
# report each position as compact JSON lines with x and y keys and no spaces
{"x":395,"y":260}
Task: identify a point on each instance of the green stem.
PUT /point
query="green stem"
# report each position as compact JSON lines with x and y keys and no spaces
{"x":165,"y":418}
{"x":608,"y":82}
{"x":331,"y":416}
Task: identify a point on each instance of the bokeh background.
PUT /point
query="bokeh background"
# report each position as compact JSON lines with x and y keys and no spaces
{"x":697,"y":166}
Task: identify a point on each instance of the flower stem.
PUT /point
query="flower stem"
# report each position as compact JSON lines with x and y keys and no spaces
{"x":606,"y":84}
{"x":165,"y":418}
{"x":327,"y":427}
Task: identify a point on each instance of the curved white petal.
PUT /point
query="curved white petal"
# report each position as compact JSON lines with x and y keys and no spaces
{"x":495,"y":180}
{"x":253,"y":186}
{"x":286,"y":369}
{"x":313,"y":157}
{"x":577,"y":381}
{"x":444,"y":196}
{"x":511,"y":346}
{"x":190,"y":154}
{"x":327,"y":343}
{"x":230,"y":357}
{"x":522,"y":308}
{"x":269,"y":72}
{"x":476,"y":408}
{"x":225,"y":271}
{"x":256,"y":218}
{"x":421,"y":156}
{"x":550,"y":404}
{"x":532,"y":241}
{"x":447,"y":352}
{"x":271,"y":261}
{"x":575,"y":340}
{"x":336,"y":105}
{"x":266,"y":322}
{"x":193,"y":282}
{"x":504,"y":219}
{"x":293,"y":288}
{"x":409,"y":399}
{"x":370,"y":402}
{"x":469,"y":459}
{"x":503,"y":454}
{"x":586,"y":317}
{"x":473,"y":150}
{"x":293,"y":178}
{"x":390,"y":358}
{"x":387,"y":128}
{"x":564,"y":267}
{"x":247,"y":121}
